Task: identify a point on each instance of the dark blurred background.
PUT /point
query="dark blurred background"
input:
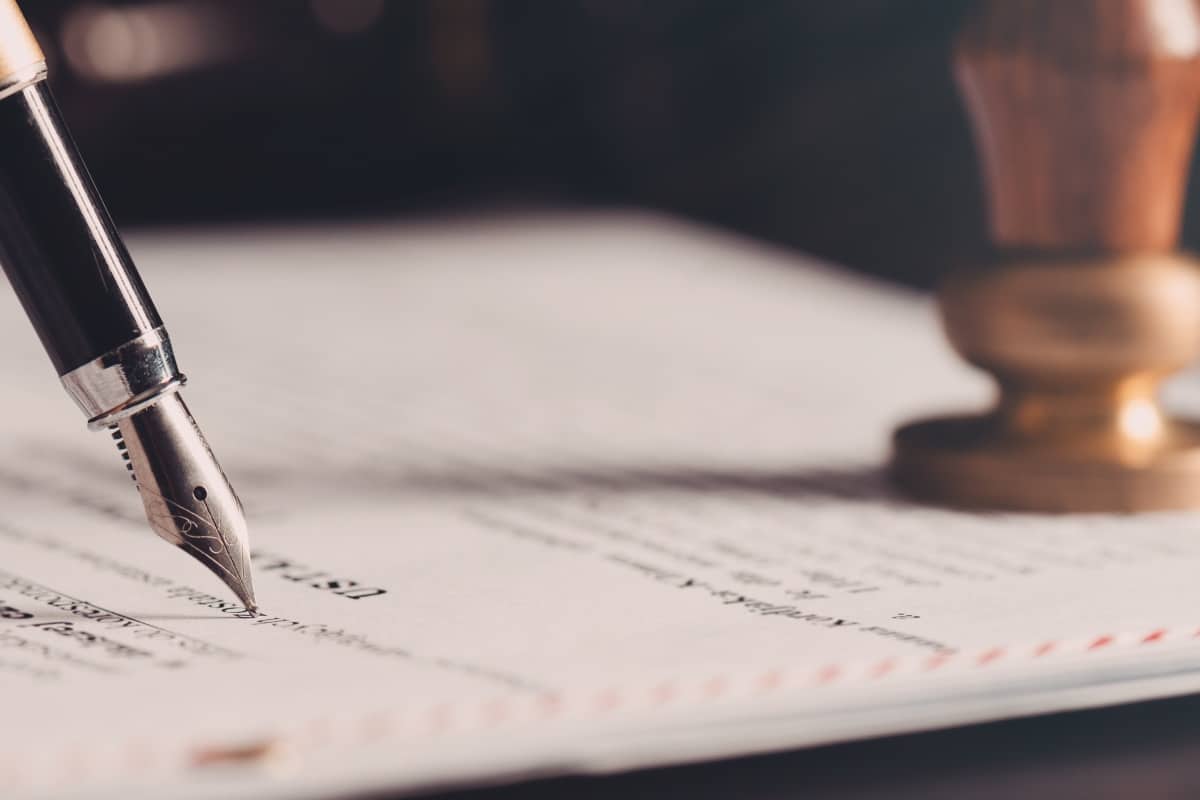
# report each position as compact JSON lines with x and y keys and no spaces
{"x":830,"y":127}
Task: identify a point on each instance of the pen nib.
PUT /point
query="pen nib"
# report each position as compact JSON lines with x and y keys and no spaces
{"x":188,"y":499}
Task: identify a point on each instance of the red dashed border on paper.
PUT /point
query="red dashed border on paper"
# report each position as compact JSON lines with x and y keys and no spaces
{"x":143,"y":757}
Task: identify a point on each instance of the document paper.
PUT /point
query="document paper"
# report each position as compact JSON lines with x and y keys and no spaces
{"x":535,"y":496}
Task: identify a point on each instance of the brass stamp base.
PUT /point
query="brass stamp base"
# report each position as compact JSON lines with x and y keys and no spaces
{"x":980,"y":462}
{"x":1078,"y":348}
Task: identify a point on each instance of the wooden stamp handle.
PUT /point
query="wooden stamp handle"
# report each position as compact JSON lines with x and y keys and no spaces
{"x":1084,"y":115}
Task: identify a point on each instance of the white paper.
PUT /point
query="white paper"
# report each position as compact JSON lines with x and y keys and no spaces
{"x":533,"y":496}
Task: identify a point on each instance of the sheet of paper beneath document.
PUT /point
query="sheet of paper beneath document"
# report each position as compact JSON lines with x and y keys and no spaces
{"x":533,"y":496}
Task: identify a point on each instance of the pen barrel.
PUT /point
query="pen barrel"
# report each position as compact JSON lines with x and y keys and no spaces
{"x":58,"y":244}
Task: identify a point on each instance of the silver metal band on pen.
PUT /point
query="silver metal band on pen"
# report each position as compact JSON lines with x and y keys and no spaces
{"x":126,"y":380}
{"x":22,"y":79}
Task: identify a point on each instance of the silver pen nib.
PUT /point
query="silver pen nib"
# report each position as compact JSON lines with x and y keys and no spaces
{"x":188,"y":499}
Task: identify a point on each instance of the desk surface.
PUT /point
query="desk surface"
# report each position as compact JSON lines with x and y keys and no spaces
{"x":1145,"y":750}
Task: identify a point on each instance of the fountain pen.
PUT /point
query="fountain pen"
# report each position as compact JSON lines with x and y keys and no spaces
{"x":80,"y":289}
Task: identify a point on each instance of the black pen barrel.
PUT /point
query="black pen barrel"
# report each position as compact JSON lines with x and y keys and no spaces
{"x":58,"y":245}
